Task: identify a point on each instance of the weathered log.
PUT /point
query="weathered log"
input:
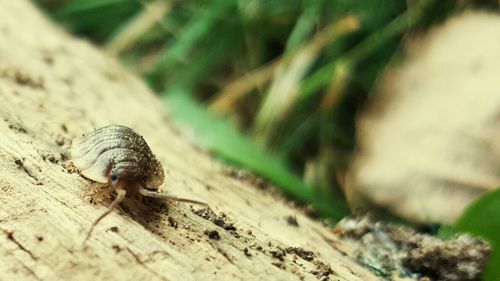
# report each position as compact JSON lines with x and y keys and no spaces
{"x":53,"y":88}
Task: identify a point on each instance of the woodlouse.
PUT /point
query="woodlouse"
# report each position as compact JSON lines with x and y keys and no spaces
{"x":117,"y":157}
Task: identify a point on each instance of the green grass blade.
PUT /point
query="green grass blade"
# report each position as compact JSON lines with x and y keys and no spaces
{"x":96,"y":18}
{"x":367,"y":47}
{"x":76,"y":6}
{"x":201,"y":26}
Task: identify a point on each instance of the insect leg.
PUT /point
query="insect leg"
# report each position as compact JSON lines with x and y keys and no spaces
{"x":153,"y":194}
{"x":120,"y":194}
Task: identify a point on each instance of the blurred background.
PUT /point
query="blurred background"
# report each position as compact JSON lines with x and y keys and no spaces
{"x":273,"y":87}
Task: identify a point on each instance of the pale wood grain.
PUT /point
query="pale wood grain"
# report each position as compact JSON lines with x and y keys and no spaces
{"x":53,"y":88}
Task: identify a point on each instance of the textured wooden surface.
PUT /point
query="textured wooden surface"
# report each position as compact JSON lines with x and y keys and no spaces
{"x":53,"y":88}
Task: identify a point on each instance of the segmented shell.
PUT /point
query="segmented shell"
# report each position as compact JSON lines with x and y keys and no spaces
{"x":119,"y":146}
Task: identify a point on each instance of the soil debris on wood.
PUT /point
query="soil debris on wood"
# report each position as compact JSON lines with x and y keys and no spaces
{"x":323,"y":270}
{"x":247,"y":252}
{"x":304,"y":254}
{"x":116,"y":248}
{"x":219,"y":220}
{"x":212,"y":234}
{"x":292,"y":220}
{"x":462,"y":258}
{"x":64,"y":128}
{"x":50,"y":157}
{"x":172,"y":222}
{"x":60,"y":140}
{"x":54,"y":158}
{"x":18,"y":128}
{"x":114,"y":229}
{"x":278,"y":254}
{"x":22,"y":78}
{"x":389,"y":249}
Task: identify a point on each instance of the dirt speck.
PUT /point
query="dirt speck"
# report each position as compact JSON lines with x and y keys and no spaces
{"x":247,"y":252}
{"x":278,"y":254}
{"x":22,"y":78}
{"x":304,"y":254}
{"x":64,"y":156}
{"x":70,"y":168}
{"x":116,"y":248}
{"x":221,"y":220}
{"x":322,"y":271}
{"x":292,"y":220}
{"x":47,"y":156}
{"x":114,"y":229}
{"x":48,"y":60}
{"x":172,"y":222}
{"x":17,"y":128}
{"x":310,"y":211}
{"x":60,"y":140}
{"x":212,"y":234}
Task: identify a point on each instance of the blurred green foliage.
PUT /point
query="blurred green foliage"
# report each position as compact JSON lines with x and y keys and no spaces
{"x":290,"y":75}
{"x":98,"y":19}
{"x":233,"y":147}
